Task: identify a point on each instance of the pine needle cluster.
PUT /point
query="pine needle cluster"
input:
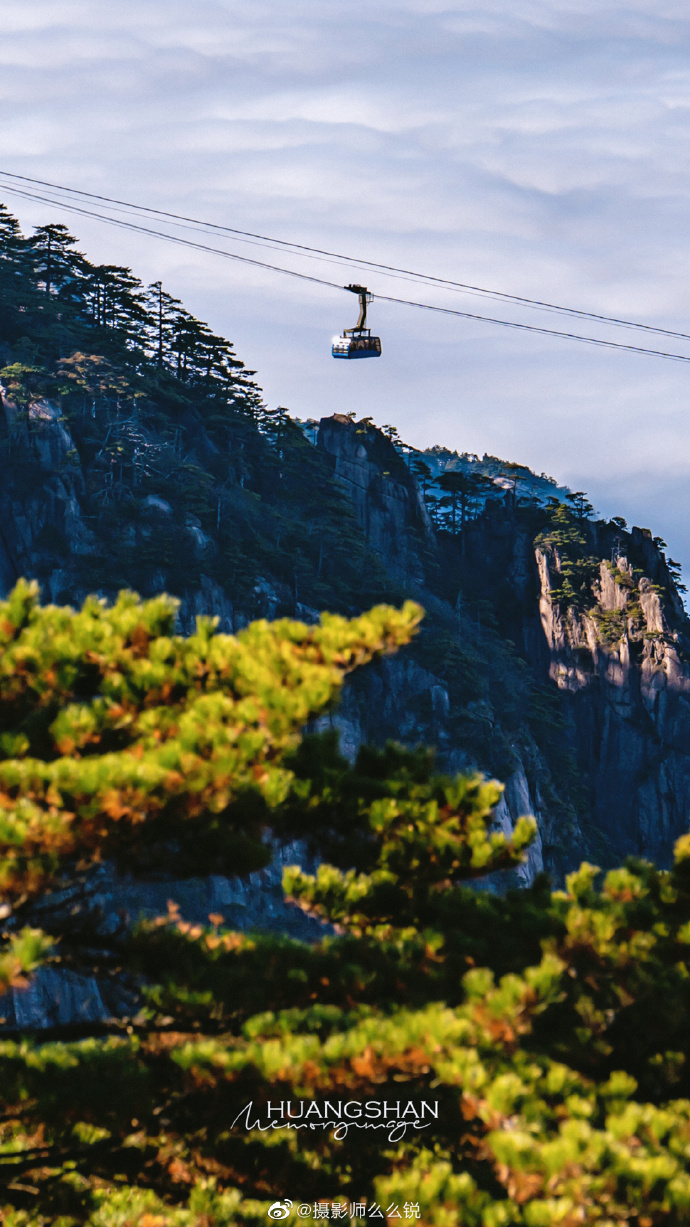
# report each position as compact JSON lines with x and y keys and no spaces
{"x":549,"y":1029}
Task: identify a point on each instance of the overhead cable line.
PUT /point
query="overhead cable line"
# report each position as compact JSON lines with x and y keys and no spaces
{"x":174,"y":238}
{"x":551,"y":332}
{"x":229,"y":255}
{"x":284,"y":244}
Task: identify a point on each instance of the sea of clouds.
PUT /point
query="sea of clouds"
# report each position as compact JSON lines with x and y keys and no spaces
{"x":540,"y":147}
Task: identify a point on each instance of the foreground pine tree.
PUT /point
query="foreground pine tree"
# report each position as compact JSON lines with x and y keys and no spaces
{"x":546,"y":1032}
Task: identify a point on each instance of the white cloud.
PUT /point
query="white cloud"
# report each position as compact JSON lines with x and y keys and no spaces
{"x":539,"y":146}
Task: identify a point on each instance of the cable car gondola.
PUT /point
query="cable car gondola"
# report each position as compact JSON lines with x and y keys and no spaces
{"x":358,"y":342}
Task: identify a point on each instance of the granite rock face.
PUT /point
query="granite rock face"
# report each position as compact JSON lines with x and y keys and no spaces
{"x":628,"y":700}
{"x":622,"y":669}
{"x":620,"y":674}
{"x":386,"y":498}
{"x":397,"y":698}
{"x":50,"y":498}
{"x":105,"y":904}
{"x":629,"y":695}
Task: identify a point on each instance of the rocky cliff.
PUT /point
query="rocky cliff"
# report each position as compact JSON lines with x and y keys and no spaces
{"x":620,"y":660}
{"x":624,"y":671}
{"x":615,"y":668}
{"x":401,"y":698}
{"x":554,"y":656}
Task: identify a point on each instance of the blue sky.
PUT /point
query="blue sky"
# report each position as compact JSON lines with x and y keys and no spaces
{"x":541,"y":147}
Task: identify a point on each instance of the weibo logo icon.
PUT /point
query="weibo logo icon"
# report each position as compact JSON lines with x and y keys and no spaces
{"x":279,"y":1209}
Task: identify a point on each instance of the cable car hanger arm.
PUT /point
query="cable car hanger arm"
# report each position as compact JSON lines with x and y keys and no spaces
{"x":364,"y":298}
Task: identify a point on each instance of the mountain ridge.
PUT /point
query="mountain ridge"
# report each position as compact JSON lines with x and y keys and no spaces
{"x":136,"y":452}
